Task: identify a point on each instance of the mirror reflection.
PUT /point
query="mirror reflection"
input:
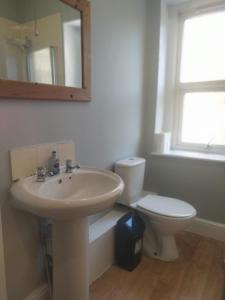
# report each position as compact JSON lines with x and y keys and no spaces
{"x":40,"y":41}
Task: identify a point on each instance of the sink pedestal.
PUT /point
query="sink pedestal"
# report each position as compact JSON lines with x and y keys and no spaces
{"x":68,"y":199}
{"x":70,"y":260}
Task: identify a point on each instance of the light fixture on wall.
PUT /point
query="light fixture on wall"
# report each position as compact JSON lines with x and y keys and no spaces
{"x":36,"y":32}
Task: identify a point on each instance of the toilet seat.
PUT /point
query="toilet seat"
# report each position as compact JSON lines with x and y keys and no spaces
{"x":168,"y":207}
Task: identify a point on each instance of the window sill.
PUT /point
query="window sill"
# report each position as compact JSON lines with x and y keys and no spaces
{"x":192,"y":155}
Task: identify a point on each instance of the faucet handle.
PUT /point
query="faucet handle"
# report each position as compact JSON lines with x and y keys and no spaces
{"x":70,"y":166}
{"x":41,"y":174}
{"x":69,"y":162}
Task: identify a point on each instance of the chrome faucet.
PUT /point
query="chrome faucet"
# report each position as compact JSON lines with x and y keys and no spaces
{"x":70,"y":166}
{"x":41,"y":174}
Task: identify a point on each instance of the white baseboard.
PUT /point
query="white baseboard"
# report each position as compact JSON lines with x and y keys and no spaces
{"x":3,"y":294}
{"x":208,"y":229}
{"x":41,"y":293}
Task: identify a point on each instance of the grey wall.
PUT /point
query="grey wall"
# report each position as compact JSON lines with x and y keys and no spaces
{"x":201,"y":183}
{"x":9,"y":9}
{"x":104,"y":130}
{"x":152,"y":65}
{"x":26,"y":10}
{"x":44,"y":8}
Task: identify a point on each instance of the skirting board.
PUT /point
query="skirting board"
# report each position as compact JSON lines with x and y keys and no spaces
{"x":208,"y":229}
{"x":41,"y":293}
{"x":3,"y":295}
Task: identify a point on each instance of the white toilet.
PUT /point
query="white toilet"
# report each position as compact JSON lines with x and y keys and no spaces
{"x":163,"y":216}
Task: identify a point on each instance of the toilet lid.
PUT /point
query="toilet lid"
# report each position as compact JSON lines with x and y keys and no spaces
{"x":165,"y":206}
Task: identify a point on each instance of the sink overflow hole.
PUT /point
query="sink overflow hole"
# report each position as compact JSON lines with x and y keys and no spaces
{"x":60,"y":181}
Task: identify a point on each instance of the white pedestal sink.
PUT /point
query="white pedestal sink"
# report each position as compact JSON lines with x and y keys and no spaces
{"x":68,"y":199}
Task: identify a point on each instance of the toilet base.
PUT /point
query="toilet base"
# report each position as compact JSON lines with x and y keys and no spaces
{"x":159,"y":236}
{"x":159,"y":245}
{"x":164,"y":248}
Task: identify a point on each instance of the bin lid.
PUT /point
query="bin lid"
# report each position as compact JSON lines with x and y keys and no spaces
{"x":132,"y":224}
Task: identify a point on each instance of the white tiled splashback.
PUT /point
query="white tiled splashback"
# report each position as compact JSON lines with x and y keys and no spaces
{"x":25,"y":160}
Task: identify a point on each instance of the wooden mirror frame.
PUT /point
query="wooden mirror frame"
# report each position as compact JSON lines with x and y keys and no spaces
{"x":11,"y":89}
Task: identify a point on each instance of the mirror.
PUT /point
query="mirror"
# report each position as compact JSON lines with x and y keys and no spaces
{"x":45,"y":43}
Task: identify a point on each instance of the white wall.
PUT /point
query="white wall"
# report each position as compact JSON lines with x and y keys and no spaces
{"x":104,"y":130}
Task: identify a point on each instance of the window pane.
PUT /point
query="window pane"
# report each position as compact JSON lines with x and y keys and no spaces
{"x":41,"y":66}
{"x":204,"y":118}
{"x":203,"y":48}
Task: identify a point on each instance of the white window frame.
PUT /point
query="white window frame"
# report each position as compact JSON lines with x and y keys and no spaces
{"x":181,"y":89}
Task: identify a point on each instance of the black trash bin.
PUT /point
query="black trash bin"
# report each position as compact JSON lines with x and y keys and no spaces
{"x":129,"y":241}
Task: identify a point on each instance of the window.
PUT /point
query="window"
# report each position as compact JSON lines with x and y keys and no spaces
{"x":200,"y":113}
{"x":41,"y":66}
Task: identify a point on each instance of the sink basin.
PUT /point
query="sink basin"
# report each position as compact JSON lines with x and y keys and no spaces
{"x":84,"y":192}
{"x":68,"y":199}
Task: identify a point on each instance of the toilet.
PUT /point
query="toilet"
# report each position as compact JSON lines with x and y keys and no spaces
{"x":164,"y":217}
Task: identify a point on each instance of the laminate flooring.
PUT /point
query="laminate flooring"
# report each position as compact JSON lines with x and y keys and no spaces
{"x":198,"y":274}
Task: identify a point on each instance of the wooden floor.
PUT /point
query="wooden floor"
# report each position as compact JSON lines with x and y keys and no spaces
{"x":197,"y":275}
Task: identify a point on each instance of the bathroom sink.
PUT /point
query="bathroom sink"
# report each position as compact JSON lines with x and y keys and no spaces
{"x":68,"y":199}
{"x":84,"y":192}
